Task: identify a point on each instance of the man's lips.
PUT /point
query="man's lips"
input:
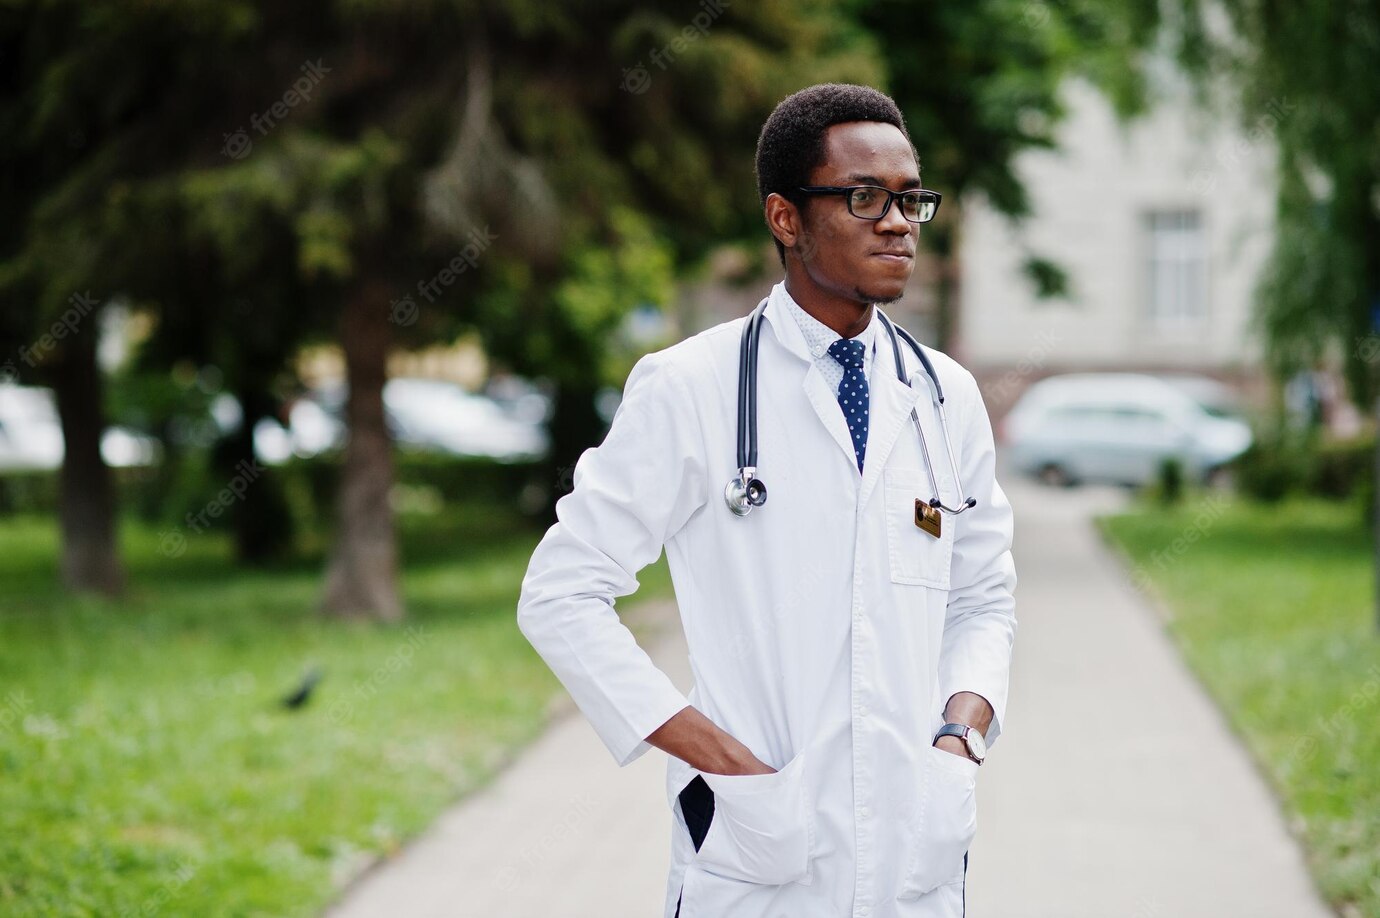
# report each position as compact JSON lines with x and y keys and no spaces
{"x":894,"y":256}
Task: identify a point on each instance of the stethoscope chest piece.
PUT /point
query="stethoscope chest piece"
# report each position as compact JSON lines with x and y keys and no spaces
{"x":745,"y":492}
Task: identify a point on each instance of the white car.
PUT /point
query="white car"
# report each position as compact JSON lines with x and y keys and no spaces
{"x":1119,"y":427}
{"x":31,"y":435}
{"x":423,"y":414}
{"x":433,"y":415}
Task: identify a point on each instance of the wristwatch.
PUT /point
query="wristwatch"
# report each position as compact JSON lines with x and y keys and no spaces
{"x":972,"y":740}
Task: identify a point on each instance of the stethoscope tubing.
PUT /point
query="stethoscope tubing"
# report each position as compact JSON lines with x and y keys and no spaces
{"x":938,"y":394}
{"x":747,"y":389}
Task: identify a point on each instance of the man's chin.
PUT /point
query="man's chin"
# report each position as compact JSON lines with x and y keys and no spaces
{"x":879,"y":295}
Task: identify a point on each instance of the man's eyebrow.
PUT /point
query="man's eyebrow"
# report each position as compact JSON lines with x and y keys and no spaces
{"x":858,"y":178}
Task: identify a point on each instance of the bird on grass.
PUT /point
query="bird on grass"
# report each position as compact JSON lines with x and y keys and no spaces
{"x":302,"y":694}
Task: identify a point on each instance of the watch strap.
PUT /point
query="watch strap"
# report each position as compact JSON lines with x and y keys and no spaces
{"x":961,"y":731}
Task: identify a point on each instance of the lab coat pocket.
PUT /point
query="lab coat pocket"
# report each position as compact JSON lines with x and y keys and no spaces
{"x":946,"y":823}
{"x":762,"y":829}
{"x":916,"y":556}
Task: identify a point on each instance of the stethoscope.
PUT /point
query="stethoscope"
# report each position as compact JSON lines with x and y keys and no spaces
{"x":747,"y":490}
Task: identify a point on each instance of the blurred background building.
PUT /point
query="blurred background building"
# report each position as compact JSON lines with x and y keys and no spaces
{"x":1160,"y":226}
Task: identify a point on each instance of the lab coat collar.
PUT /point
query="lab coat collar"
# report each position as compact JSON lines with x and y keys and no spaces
{"x":787,"y":330}
{"x":890,"y":402}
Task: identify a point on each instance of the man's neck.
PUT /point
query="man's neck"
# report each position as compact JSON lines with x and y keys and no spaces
{"x":845,"y":317}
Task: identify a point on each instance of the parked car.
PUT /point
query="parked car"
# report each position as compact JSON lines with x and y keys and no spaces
{"x":422,"y":414}
{"x":429,"y":414}
{"x":1118,"y":428}
{"x":31,"y":435}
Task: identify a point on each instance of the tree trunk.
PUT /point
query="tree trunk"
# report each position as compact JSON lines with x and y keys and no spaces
{"x":261,"y":517}
{"x":362,"y":573}
{"x":575,"y":426}
{"x":86,"y":501}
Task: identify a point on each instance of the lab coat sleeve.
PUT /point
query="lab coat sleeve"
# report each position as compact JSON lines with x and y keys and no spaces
{"x":631,"y":494}
{"x":980,"y":623}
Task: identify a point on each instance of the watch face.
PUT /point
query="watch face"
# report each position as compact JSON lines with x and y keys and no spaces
{"x":977,"y":744}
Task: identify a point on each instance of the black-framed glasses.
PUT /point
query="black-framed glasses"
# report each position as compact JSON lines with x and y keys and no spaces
{"x":873,"y":202}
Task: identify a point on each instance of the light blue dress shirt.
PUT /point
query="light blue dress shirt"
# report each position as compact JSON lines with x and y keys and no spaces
{"x":819,"y":336}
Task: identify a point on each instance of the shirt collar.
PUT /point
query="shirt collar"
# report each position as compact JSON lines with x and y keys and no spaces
{"x":819,"y":336}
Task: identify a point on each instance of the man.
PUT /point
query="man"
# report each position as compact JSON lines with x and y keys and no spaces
{"x":831,"y":635}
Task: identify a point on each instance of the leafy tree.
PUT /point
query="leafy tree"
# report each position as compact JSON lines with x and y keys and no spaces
{"x":1304,"y":75}
{"x":322,"y":215}
{"x":528,"y":170}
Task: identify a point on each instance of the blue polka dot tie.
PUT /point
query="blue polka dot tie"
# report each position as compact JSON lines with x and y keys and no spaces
{"x":853,"y":391}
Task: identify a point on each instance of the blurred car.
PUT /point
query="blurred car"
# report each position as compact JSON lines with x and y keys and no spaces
{"x":428,"y":414}
{"x":31,"y":435}
{"x":1119,"y":427}
{"x":423,"y":414}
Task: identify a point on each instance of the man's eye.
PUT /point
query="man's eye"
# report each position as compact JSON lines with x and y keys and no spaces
{"x":864,"y":196}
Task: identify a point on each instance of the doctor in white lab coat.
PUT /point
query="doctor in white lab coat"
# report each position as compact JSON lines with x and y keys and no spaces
{"x":830,"y":637}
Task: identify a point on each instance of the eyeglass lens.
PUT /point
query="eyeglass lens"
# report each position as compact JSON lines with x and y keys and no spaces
{"x":869,"y":203}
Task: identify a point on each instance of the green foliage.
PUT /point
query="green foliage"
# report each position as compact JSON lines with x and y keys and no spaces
{"x":1050,"y":280}
{"x":1170,"y":480}
{"x":432,"y":121}
{"x":1303,"y":74}
{"x":635,"y":266}
{"x":1279,"y":463}
{"x":1344,"y":466}
{"x":1283,"y":462}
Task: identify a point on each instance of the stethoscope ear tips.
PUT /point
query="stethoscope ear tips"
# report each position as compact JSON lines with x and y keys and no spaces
{"x":742,"y":498}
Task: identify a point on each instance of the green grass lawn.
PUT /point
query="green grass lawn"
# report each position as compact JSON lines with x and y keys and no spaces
{"x":1273,"y":608}
{"x":147,"y":767}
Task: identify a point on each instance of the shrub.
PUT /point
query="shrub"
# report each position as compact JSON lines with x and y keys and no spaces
{"x":1341,"y":467}
{"x":1278,"y":463}
{"x":1171,"y":480}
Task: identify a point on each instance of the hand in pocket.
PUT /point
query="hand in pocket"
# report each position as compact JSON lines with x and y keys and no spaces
{"x":760,"y":830}
{"x":946,"y":823}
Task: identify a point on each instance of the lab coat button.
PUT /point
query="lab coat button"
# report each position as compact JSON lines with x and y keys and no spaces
{"x":865,"y":910}
{"x":864,"y":812}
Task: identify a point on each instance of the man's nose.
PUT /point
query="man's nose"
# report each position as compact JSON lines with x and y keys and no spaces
{"x":893,"y":221}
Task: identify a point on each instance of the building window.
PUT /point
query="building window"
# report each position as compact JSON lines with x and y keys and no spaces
{"x":1176,"y":268}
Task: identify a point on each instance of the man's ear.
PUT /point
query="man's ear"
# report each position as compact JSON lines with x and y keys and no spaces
{"x":784,"y":220}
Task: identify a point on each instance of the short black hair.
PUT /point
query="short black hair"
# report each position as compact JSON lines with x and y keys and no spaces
{"x":791,"y":144}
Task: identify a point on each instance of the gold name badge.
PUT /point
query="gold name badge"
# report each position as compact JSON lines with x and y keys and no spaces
{"x":927,"y":518}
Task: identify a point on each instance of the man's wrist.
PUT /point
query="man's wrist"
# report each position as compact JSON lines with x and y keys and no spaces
{"x":971,"y":709}
{"x":952,"y":744}
{"x":732,"y":757}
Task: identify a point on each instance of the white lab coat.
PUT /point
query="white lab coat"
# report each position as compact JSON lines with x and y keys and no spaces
{"x":826,"y":631}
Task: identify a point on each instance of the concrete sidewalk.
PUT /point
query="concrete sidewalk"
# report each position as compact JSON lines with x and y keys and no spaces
{"x":1116,"y":790}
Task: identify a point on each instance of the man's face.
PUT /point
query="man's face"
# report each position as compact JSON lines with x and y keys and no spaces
{"x":866,"y":261}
